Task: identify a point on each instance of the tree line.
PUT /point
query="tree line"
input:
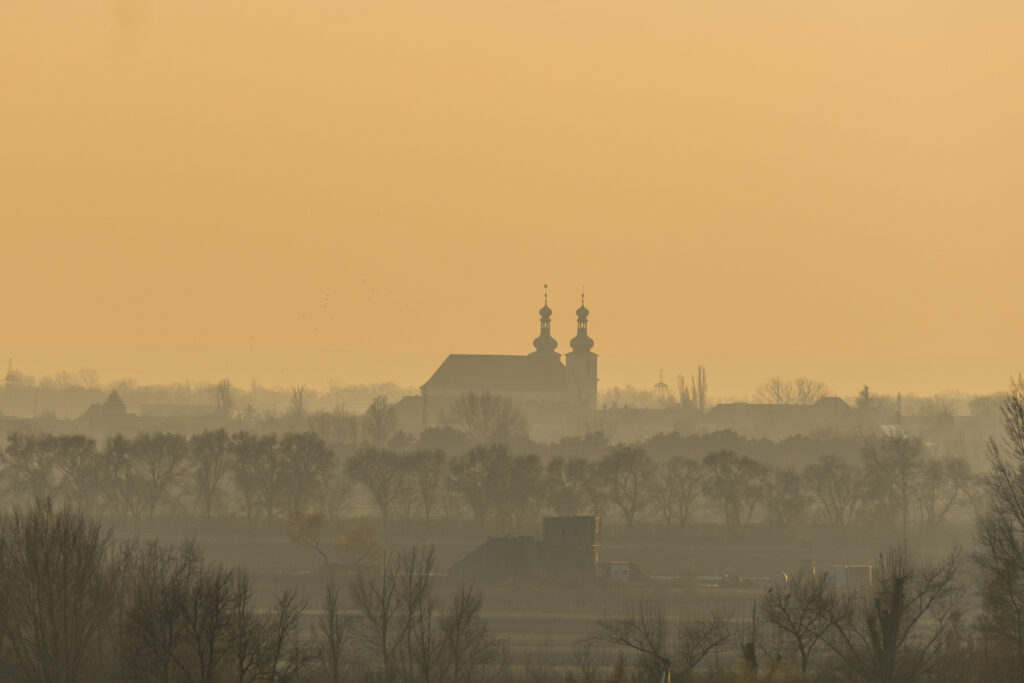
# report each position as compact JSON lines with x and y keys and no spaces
{"x":896,"y":481}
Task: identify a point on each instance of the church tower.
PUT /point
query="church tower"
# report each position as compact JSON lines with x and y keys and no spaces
{"x":581,"y":363}
{"x":545,"y":344}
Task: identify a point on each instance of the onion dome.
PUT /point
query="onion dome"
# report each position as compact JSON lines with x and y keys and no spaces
{"x":581,"y":342}
{"x":545,"y":343}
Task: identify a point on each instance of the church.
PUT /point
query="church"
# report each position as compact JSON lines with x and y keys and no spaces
{"x":551,"y":394}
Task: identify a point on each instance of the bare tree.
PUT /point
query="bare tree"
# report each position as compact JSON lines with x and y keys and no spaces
{"x":488,"y":418}
{"x":210,"y":453}
{"x":152,"y":626}
{"x":798,"y":391}
{"x":627,"y":474}
{"x":204,"y":605}
{"x":699,"y":389}
{"x":305,"y":463}
{"x":335,"y":426}
{"x":222,"y":395}
{"x":161,"y":458}
{"x":735,"y":483}
{"x":58,"y":592}
{"x":407,"y":638}
{"x":379,"y":422}
{"x":894,"y":631}
{"x":126,"y":490}
{"x":380,"y":629}
{"x":469,"y":478}
{"x":776,"y":391}
{"x":677,"y":489}
{"x":246,"y":634}
{"x":570,"y":485}
{"x":468,"y":650}
{"x":493,"y":482}
{"x":647,"y":632}
{"x":944,"y":484}
{"x":695,"y":394}
{"x":332,"y":637}
{"x":297,"y":405}
{"x":516,"y":488}
{"x":783,"y":497}
{"x":893,"y":464}
{"x":257,"y":472}
{"x":90,"y":378}
{"x":30,"y":465}
{"x":380,"y":471}
{"x":797,"y":609}
{"x":837,"y":486}
{"x":80,"y":464}
{"x":1000,"y":532}
{"x":808,"y":391}
{"x":285,"y":652}
{"x":427,"y":470}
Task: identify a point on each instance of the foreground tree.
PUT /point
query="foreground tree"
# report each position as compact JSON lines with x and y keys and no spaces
{"x":405,"y":635}
{"x":332,"y":638}
{"x":798,"y":611}
{"x":660,"y":647}
{"x":1000,"y":532}
{"x":188,"y":620}
{"x":895,"y":631}
{"x":58,"y":593}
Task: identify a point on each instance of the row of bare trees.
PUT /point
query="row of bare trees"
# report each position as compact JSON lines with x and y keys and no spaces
{"x":162,"y":472}
{"x":905,"y":626}
{"x":263,"y":475}
{"x":895,"y":483}
{"x":76,"y":606}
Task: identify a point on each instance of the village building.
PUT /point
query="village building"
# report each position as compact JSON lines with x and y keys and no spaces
{"x":569,"y":547}
{"x":555,"y":397}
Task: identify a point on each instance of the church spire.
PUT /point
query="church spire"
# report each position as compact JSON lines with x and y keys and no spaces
{"x":544,"y":343}
{"x":581,"y":342}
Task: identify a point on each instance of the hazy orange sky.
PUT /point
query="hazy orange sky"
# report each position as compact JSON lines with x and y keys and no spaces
{"x":351,"y":189}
